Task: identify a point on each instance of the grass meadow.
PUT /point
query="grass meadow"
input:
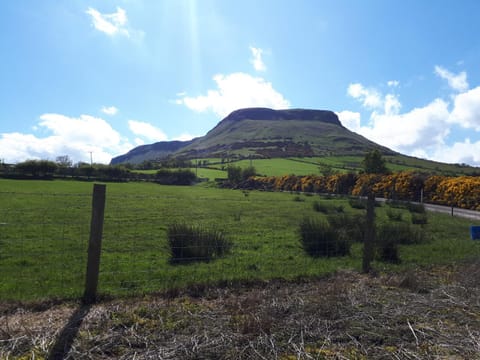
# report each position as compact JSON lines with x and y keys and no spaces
{"x":44,"y":231}
{"x":340,"y":164}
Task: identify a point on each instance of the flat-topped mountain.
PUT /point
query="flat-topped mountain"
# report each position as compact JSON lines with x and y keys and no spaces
{"x":289,"y":114}
{"x":265,"y":133}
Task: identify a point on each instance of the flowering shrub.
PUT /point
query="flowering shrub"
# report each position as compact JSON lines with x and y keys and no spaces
{"x":463,"y":191}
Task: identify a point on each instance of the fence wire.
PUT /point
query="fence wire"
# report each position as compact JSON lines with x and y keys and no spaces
{"x":44,"y":241}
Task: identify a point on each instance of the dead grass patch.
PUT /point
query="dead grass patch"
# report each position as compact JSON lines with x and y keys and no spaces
{"x":424,"y":313}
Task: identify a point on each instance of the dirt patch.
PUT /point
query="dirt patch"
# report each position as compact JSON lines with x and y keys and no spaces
{"x":424,"y":313}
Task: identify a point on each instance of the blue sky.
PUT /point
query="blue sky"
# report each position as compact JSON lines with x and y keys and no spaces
{"x":105,"y":76}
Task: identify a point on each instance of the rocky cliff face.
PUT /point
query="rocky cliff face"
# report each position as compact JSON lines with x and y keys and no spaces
{"x":289,"y":114}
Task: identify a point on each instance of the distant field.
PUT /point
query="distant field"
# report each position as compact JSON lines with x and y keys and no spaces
{"x":201,"y":172}
{"x":44,"y":229}
{"x":343,"y":164}
{"x":315,"y":165}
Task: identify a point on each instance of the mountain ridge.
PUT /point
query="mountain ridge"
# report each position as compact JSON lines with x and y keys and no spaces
{"x":264,"y":133}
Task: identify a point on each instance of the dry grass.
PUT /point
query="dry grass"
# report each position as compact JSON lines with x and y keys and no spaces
{"x":423,"y":314}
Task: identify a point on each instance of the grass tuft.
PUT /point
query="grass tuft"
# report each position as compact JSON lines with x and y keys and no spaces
{"x":400,"y":233}
{"x":353,"y":226}
{"x":190,"y":243}
{"x":419,"y":219}
{"x":327,"y":208}
{"x":394,"y":215}
{"x":320,"y":239}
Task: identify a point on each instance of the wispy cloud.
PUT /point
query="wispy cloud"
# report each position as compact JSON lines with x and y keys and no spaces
{"x":146,"y":130}
{"x":110,"y":110}
{"x":110,"y":24}
{"x":370,"y":98}
{"x":393,"y":83}
{"x":457,"y":82}
{"x":257,"y":60}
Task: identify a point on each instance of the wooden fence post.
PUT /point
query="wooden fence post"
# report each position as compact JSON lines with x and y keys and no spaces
{"x":369,"y":241}
{"x":95,"y":243}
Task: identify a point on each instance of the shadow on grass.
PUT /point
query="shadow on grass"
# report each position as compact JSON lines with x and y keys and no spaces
{"x":63,"y":344}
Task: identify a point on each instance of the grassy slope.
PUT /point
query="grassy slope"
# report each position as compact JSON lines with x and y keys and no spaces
{"x":311,"y":165}
{"x":202,"y":173}
{"x":45,"y":227}
{"x":322,"y":137}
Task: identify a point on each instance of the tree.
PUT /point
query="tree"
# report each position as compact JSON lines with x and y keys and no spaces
{"x":248,"y":172}
{"x":64,"y":165}
{"x":64,"y":161}
{"x":234,"y":174}
{"x":36,"y":168}
{"x":374,"y":163}
{"x":326,"y":170}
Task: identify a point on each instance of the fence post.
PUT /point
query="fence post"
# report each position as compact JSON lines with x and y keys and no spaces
{"x":368,"y":242}
{"x":95,"y":243}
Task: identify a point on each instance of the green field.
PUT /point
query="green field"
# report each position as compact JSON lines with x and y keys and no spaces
{"x":44,"y":230}
{"x":342,"y":164}
{"x":202,"y":173}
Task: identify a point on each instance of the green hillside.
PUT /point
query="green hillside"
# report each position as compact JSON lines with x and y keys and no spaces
{"x":340,"y":164}
{"x":264,"y":134}
{"x":279,"y":142}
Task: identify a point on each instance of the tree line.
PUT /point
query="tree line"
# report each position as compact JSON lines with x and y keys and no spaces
{"x":63,"y":167}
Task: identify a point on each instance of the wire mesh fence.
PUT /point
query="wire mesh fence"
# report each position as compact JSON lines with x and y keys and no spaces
{"x":44,"y":241}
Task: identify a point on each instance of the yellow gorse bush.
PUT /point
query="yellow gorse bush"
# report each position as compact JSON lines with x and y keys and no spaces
{"x":463,"y":191}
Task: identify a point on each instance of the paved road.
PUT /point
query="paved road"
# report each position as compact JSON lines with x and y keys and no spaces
{"x":468,"y":214}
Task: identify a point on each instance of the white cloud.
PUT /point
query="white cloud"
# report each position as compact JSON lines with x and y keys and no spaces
{"x":423,"y":131}
{"x":393,"y":83}
{"x":75,"y":137}
{"x":460,"y":152}
{"x":370,"y":98}
{"x":421,"y":128}
{"x":456,"y":82}
{"x":257,"y":60}
{"x":235,"y":91}
{"x":350,"y":119}
{"x":185,"y":137}
{"x":139,"y":141}
{"x":111,"y":110}
{"x":110,"y":24}
{"x":417,"y":132}
{"x":466,"y":109}
{"x":146,"y":130}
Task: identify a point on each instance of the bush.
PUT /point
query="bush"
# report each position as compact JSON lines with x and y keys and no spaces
{"x":396,"y":204}
{"x":394,"y":215}
{"x":194,"y":243}
{"x":416,"y":208}
{"x":352,"y":226}
{"x":357,"y":203}
{"x":175,"y":177}
{"x":419,"y":219}
{"x":390,"y":235}
{"x":388,"y":252}
{"x":320,"y":239}
{"x":327,"y":208}
{"x":399,"y":233}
